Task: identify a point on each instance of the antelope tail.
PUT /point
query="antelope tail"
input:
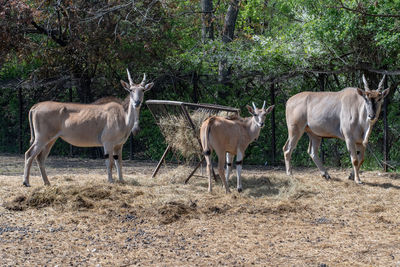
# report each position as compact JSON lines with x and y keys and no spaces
{"x":31,"y":127}
{"x":206,"y":136}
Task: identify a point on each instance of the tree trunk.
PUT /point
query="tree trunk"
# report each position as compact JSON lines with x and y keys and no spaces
{"x":227,"y":37}
{"x":207,"y":31}
{"x":230,"y":21}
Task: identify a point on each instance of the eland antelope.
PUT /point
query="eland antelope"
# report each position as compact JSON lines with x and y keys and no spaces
{"x":228,"y":137}
{"x":105,"y":125}
{"x":348,"y":115}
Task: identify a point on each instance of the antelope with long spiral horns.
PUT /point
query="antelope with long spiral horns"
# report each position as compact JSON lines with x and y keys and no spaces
{"x":105,"y":125}
{"x":349,"y":115}
{"x":229,"y":137}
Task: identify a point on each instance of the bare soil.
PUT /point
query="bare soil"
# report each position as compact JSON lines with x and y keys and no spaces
{"x":277,"y":220}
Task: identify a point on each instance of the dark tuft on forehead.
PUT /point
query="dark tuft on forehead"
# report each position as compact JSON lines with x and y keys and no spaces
{"x":374,"y":94}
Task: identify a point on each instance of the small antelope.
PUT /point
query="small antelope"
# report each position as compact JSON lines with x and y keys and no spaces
{"x":84,"y":125}
{"x":230,"y":137}
{"x":349,"y":114}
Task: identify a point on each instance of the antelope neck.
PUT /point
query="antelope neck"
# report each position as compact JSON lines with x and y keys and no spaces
{"x":131,"y":117}
{"x":253,"y":129}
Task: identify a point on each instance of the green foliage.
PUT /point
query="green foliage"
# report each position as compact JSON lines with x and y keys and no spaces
{"x":150,"y":140}
{"x":287,"y":42}
{"x":9,"y":111}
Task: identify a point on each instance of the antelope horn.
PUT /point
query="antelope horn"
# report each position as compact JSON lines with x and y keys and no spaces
{"x":144,"y":79}
{"x":380,"y":86}
{"x":263,"y":105}
{"x":365,"y":83}
{"x":129,"y":77}
{"x":254,"y":106}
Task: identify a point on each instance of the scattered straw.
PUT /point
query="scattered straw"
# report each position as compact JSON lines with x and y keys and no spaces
{"x":173,"y":211}
{"x":72,"y":197}
{"x":302,"y":219}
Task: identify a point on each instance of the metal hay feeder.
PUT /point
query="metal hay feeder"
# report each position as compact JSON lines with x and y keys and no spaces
{"x":162,"y":108}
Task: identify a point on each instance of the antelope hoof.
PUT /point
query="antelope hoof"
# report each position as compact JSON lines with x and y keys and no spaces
{"x":326,"y":176}
{"x":26,"y":184}
{"x":240,"y":190}
{"x":359,"y":182}
{"x":351,"y":176}
{"x":47,"y":184}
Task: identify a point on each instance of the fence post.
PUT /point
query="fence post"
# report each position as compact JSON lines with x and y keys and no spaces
{"x":321,"y":80}
{"x":20,"y":100}
{"x":385,"y":131}
{"x":131,"y":147}
{"x":71,"y":151}
{"x":273,"y":140}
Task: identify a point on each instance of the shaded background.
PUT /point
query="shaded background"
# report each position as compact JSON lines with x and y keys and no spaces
{"x":221,"y":52}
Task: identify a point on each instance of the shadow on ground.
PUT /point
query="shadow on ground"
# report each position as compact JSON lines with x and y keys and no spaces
{"x":383,"y":185}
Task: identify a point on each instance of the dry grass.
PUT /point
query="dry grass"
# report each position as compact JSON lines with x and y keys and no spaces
{"x":180,"y":135}
{"x":277,"y":220}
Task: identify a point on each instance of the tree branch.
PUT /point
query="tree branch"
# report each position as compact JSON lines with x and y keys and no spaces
{"x":51,"y":33}
{"x":342,"y":6}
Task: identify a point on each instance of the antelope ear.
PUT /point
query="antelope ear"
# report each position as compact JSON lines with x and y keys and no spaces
{"x":385,"y":93}
{"x":148,"y":86}
{"x":361,"y":92}
{"x":269,"y":109}
{"x":250,"y":109}
{"x":126,"y":86}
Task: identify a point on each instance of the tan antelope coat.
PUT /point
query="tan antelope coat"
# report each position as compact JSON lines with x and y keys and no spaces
{"x":106,"y":125}
{"x":229,"y":137}
{"x":348,"y":115}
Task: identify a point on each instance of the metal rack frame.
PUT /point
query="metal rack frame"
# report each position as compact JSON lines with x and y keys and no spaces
{"x":160,"y":108}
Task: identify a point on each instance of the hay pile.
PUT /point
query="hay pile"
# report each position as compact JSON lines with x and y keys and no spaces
{"x":179,"y":134}
{"x":73,"y":197}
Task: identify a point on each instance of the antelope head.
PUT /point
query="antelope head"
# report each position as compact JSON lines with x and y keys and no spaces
{"x":136,"y":91}
{"x":259,"y":114}
{"x":373,"y":98}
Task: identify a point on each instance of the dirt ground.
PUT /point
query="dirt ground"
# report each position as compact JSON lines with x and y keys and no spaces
{"x":276,"y":221}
